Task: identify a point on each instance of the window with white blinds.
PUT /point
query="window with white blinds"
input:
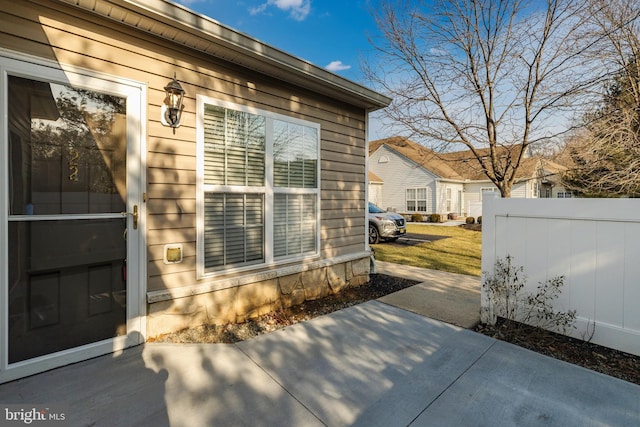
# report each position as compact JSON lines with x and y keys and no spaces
{"x":234,"y":229}
{"x":258,"y":192}
{"x":234,"y":147}
{"x":295,"y":158}
{"x":294,"y":224}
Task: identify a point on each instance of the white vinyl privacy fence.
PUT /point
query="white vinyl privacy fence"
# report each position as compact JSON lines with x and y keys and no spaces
{"x":593,"y":243}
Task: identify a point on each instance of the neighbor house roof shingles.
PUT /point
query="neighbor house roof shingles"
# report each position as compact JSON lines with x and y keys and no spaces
{"x":375,"y":178}
{"x":419,"y":154}
{"x":461,"y":165}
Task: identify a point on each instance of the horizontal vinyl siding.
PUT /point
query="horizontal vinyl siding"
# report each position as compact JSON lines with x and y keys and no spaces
{"x":57,"y":32}
{"x":519,"y":190}
{"x":399,"y":174}
{"x":472,"y":191}
{"x":343,"y":204}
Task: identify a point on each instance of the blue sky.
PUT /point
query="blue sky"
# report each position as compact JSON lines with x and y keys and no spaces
{"x":329,"y":33}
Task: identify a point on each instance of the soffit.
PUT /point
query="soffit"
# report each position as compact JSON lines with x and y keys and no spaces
{"x":182,"y":26}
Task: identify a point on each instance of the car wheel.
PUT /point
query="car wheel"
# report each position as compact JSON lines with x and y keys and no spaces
{"x":374,"y":236}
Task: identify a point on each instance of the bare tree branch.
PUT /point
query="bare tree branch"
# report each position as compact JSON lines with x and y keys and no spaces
{"x":607,"y":152}
{"x":484,"y":74}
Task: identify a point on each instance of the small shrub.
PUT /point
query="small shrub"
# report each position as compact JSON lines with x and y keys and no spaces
{"x":452,"y":215}
{"x":504,"y":291}
{"x":480,"y":219}
{"x":435,"y":217}
{"x":416,"y":217}
{"x":470,"y":220}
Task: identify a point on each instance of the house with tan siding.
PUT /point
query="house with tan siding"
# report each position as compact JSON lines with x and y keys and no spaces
{"x":161,"y":170}
{"x":419,"y":180}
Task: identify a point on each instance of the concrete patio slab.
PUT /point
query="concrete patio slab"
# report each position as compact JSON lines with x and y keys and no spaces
{"x":370,"y":365}
{"x":177,"y":385}
{"x":217,"y":385}
{"x":512,"y":386}
{"x":116,"y":389}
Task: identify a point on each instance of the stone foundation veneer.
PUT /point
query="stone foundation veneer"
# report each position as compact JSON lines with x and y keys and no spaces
{"x":241,"y":298}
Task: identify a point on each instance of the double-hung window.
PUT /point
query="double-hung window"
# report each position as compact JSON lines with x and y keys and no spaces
{"x":418,"y":199}
{"x":258,"y":192}
{"x":234,"y":187}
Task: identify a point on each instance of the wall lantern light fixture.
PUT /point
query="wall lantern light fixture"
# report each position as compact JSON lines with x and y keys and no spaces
{"x":172,"y":106}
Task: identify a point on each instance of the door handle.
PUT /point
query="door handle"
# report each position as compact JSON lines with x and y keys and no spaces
{"x":134,"y":215}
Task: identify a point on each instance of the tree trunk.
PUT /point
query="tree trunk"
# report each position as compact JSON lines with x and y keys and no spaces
{"x":505,"y":190}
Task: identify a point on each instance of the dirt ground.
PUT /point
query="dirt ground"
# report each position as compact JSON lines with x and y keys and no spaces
{"x":611,"y":362}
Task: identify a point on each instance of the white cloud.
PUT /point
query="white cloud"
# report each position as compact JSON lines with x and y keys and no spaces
{"x":298,"y":9}
{"x":337,"y":66}
{"x":437,"y":51}
{"x":258,"y":10}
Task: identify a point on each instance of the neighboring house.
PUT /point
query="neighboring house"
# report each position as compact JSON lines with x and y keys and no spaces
{"x":127,"y":211}
{"x":550,"y":178}
{"x":419,"y":180}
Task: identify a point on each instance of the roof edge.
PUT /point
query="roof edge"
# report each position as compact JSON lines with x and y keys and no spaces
{"x":266,"y":56}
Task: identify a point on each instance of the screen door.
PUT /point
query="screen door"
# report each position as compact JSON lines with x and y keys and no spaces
{"x":67,"y":236}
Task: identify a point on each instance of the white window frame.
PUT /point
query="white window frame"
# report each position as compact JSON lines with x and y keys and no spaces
{"x":427,"y":199}
{"x":269,"y":189}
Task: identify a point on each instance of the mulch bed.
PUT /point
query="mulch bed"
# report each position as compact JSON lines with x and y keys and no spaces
{"x":378,"y":286}
{"x":588,"y":355}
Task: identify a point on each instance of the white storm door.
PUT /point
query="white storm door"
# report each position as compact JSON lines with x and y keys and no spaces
{"x":72,"y":225}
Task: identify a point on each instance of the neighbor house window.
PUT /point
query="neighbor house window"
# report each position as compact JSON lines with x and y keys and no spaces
{"x":564,"y":194}
{"x":258,"y":192}
{"x":418,"y":199}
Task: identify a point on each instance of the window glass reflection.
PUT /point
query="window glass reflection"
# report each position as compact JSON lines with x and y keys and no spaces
{"x":67,"y":149}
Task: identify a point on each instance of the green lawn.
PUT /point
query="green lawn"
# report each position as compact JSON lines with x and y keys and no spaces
{"x":459,"y":253}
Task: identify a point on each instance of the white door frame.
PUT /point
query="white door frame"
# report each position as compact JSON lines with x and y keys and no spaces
{"x":12,"y":63}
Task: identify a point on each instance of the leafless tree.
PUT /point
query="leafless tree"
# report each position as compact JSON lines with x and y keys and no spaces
{"x":606,"y":154}
{"x":489,"y":76}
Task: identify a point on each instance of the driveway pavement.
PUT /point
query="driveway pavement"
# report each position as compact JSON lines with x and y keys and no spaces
{"x":369,"y":365}
{"x":412,"y":239}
